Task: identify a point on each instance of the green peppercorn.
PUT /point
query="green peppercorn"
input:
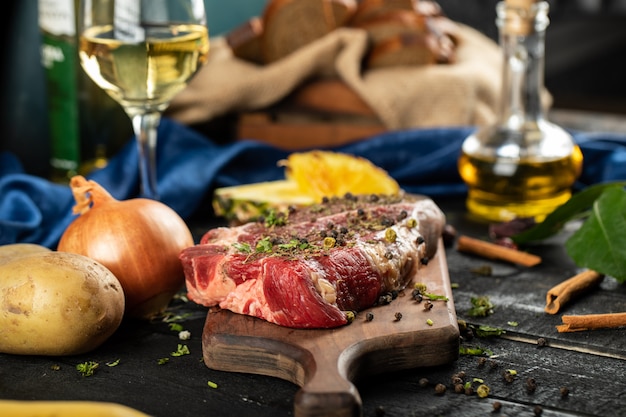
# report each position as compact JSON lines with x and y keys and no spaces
{"x":329,"y":242}
{"x":482,"y":391}
{"x":390,"y":235}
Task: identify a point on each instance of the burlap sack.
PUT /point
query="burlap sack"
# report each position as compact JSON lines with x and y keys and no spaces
{"x":463,"y":93}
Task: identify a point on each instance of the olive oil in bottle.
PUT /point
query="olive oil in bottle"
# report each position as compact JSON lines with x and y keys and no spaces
{"x":523,"y":165}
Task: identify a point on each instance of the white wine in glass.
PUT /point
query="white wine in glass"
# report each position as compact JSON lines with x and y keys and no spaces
{"x":142,"y":53}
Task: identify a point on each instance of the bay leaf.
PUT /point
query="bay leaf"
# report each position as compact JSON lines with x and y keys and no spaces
{"x":577,"y":207}
{"x":600,"y":243}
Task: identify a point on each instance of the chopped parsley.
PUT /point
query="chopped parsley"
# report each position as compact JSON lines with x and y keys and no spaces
{"x":264,"y":245}
{"x":181,"y":350}
{"x":274,"y":219}
{"x":87,"y":368}
{"x":481,"y":307}
{"x":242,"y":247}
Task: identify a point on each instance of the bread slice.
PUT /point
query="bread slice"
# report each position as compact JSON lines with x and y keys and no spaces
{"x":392,"y":23}
{"x":343,"y":11}
{"x":370,"y":9}
{"x":291,"y":24}
{"x":245,"y":40}
{"x":407,"y":49}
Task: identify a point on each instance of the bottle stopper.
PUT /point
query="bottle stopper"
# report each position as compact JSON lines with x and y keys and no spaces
{"x":520,"y":15}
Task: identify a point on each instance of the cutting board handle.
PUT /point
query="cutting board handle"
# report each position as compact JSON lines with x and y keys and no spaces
{"x":326,"y":391}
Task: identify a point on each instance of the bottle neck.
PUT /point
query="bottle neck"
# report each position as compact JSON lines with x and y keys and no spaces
{"x":522,"y":39}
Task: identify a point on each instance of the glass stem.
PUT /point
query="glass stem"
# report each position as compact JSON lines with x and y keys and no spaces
{"x":145,"y":126}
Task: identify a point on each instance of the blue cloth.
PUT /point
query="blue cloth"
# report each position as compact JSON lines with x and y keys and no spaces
{"x":191,"y":166}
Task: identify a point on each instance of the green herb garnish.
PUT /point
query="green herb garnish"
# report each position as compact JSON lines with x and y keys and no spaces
{"x":481,"y":307}
{"x":242,"y":247}
{"x":181,"y":350}
{"x":274,"y":219}
{"x":87,"y":368}
{"x":488,"y":331}
{"x":176,"y":327}
{"x":436,"y":297}
{"x":474,"y":351}
{"x":114,"y":363}
{"x":264,"y":245}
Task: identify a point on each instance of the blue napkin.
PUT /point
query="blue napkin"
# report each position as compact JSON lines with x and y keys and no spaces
{"x":191,"y":166}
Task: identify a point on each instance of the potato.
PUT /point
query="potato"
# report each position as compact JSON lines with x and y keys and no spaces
{"x":57,"y":303}
{"x":8,"y":252}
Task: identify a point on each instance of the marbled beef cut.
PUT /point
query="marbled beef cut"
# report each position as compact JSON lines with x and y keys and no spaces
{"x":308,"y":267}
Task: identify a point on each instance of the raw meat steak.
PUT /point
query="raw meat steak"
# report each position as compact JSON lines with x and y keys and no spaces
{"x":308,"y":267}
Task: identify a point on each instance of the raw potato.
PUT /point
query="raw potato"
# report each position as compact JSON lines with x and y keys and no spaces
{"x":8,"y":252}
{"x":66,"y":409}
{"x":57,"y":303}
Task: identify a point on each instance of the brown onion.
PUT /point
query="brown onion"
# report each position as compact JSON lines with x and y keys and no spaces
{"x":138,"y":240}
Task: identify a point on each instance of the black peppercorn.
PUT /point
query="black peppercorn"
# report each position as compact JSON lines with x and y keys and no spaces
{"x":440,"y":389}
{"x":531,"y":385}
{"x":423,"y":382}
{"x":398,"y":316}
{"x":369,"y":316}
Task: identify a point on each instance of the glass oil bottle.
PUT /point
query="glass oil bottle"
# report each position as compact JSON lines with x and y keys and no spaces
{"x":523,"y":165}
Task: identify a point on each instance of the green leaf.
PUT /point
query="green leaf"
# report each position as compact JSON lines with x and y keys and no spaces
{"x":578,"y":206}
{"x":600,"y":243}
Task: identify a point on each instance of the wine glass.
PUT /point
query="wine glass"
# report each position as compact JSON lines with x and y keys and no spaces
{"x":142,"y":53}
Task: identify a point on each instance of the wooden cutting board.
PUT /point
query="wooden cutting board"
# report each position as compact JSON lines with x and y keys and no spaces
{"x":325,"y":362}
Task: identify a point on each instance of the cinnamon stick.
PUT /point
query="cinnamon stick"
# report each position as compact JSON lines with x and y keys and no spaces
{"x":571,"y":288}
{"x":492,"y":251}
{"x":591,"y":322}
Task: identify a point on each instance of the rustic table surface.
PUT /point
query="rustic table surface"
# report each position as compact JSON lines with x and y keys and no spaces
{"x":591,"y":365}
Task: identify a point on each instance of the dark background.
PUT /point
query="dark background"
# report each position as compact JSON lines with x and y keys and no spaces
{"x":585,"y":50}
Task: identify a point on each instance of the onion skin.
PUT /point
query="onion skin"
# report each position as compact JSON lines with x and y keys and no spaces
{"x":138,"y":240}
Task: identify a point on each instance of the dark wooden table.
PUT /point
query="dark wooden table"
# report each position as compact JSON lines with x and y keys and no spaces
{"x":591,"y":365}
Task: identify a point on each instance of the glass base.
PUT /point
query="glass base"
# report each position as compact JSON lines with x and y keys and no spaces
{"x":494,"y":208}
